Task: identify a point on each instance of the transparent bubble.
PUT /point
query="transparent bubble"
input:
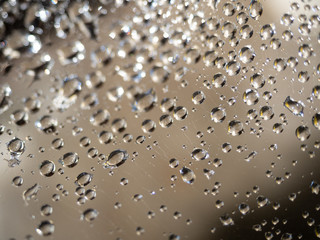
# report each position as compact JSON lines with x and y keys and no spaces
{"x":100,"y":117}
{"x":242,"y":18}
{"x":46,"y":210}
{"x":235,"y":128}
{"x":105,"y":137}
{"x":266,"y":113}
{"x":45,"y":228}
{"x":279,"y":64}
{"x":180,"y":113}
{"x":226,"y":220}
{"x":257,"y":80}
{"x":251,"y":97}
{"x":165,"y":121}
{"x":199,"y":154}
{"x":89,"y":215}
{"x":218,"y":114}
{"x":68,"y":93}
{"x":262,"y":201}
{"x":247,"y":54}
{"x":303,"y":133}
{"x":20,"y":117}
{"x":119,"y":125}
{"x":69,"y":159}
{"x":95,"y":79}
{"x":16,"y":147}
{"x":267,"y":32}
{"x":246,"y":31}
{"x":17,"y":181}
{"x":83,"y":179}
{"x":115,"y":94}
{"x":57,"y":143}
{"x":219,"y":80}
{"x":173,"y":163}
{"x":244,"y":208}
{"x":89,"y":101}
{"x":316,"y":92}
{"x":5,"y":102}
{"x":295,"y":107}
{"x":47,"y":124}
{"x":144,"y":102}
{"x":198,"y":97}
{"x":255,"y":9}
{"x":187,"y":175}
{"x":116,"y":158}
{"x":233,"y":68}
{"x":159,"y":74}
{"x":47,"y":168}
{"x":316,"y":120}
{"x":148,"y":126}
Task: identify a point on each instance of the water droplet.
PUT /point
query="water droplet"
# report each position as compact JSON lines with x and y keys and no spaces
{"x":235,"y":128}
{"x":218,"y":114}
{"x":293,"y":106}
{"x":69,"y":159}
{"x":83,"y":179}
{"x":303,"y":133}
{"x":187,"y":175}
{"x":251,"y":97}
{"x":45,"y":228}
{"x":16,"y":147}
{"x":255,"y":9}
{"x":47,"y":124}
{"x":116,"y":158}
{"x":199,"y":154}
{"x":46,"y":210}
{"x":89,"y":215}
{"x":47,"y":168}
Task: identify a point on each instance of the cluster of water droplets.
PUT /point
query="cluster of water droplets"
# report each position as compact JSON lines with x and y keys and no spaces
{"x":153,"y":96}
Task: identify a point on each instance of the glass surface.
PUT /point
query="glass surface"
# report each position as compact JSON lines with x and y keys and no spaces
{"x":159,"y":119}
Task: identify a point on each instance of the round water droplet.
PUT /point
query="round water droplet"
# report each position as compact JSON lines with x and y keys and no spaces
{"x":219,"y":80}
{"x":100,"y":117}
{"x":247,"y":54}
{"x":267,"y":32}
{"x":17,"y":181}
{"x":105,"y":137}
{"x":148,"y":126}
{"x":83,"y":179}
{"x":235,"y":128}
{"x":187,"y":175}
{"x":46,"y":210}
{"x":255,"y":9}
{"x":198,"y":97}
{"x":117,"y":158}
{"x":47,"y":124}
{"x":199,"y":154}
{"x":218,"y":114}
{"x":293,"y":106}
{"x":180,"y":113}
{"x":20,"y":117}
{"x":244,"y":208}
{"x":47,"y":168}
{"x":303,"y":133}
{"x":316,"y":120}
{"x":45,"y":228}
{"x":251,"y":97}
{"x":69,"y":159}
{"x":257,"y":81}
{"x":165,"y":121}
{"x":144,"y":102}
{"x":89,"y":215}
{"x":266,"y":113}
{"x":16,"y":147}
